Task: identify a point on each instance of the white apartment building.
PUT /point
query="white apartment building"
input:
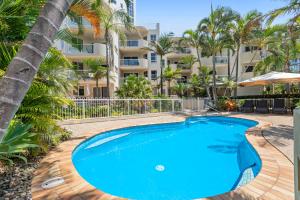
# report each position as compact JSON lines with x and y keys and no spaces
{"x":133,"y":57}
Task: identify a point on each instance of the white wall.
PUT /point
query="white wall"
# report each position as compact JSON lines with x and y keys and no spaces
{"x":297,"y":152}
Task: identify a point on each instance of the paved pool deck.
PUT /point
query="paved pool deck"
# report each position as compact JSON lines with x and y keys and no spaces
{"x":275,"y":181}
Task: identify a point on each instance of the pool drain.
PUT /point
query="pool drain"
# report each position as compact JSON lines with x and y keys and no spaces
{"x":53,"y":182}
{"x":160,"y":168}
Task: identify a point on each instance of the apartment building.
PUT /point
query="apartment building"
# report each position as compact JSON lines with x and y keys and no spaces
{"x":133,"y":57}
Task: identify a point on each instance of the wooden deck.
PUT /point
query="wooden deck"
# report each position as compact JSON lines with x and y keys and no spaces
{"x":275,"y":181}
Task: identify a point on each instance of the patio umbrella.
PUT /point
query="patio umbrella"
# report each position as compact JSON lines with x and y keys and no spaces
{"x":271,"y":78}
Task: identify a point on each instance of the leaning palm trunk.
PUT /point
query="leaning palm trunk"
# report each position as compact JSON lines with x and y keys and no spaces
{"x":23,"y":68}
{"x":204,"y":76}
{"x":214,"y":79}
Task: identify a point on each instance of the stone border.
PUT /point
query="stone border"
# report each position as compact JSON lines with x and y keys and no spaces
{"x":274,"y":182}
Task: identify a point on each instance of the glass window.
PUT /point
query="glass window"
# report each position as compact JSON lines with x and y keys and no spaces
{"x":146,"y":74}
{"x":81,"y":91}
{"x":153,"y":58}
{"x":153,"y":37}
{"x":153,"y":75}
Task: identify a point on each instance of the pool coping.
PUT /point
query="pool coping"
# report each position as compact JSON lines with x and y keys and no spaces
{"x":275,"y":180}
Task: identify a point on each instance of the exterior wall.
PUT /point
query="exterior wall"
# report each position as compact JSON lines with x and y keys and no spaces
{"x":297,"y":152}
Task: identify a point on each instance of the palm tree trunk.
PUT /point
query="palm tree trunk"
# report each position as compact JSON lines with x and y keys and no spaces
{"x":214,"y":78}
{"x":23,"y":68}
{"x":204,"y":77}
{"x":97,"y":87}
{"x":228,"y":64}
{"x":107,"y":62}
{"x":237,"y":69}
{"x":161,"y":75}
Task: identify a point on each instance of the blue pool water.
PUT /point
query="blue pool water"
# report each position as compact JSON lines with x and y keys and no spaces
{"x":201,"y":157}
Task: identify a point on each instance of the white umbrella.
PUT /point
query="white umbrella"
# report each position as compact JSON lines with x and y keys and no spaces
{"x":271,"y":78}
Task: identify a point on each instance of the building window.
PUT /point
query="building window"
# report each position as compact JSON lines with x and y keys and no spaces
{"x":153,"y":37}
{"x":153,"y":58}
{"x":251,"y":48}
{"x":97,"y":92}
{"x":104,"y":92}
{"x":81,"y":91}
{"x":249,"y":69}
{"x":146,"y":74}
{"x":153,"y":75}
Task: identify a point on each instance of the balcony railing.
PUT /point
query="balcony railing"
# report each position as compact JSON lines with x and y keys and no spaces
{"x":183,"y":51}
{"x":134,"y":63}
{"x":183,"y":66}
{"x":135,"y":44}
{"x":81,"y":49}
{"x":221,"y":60}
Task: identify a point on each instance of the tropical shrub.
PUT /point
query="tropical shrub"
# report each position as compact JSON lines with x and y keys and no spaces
{"x":135,"y":88}
{"x":17,"y":142}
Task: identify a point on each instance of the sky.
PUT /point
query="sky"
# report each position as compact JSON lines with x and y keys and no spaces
{"x":179,"y":15}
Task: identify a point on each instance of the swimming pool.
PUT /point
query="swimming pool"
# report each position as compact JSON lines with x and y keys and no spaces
{"x":201,"y":157}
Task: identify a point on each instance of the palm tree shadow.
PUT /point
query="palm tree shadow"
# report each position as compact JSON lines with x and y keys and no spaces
{"x":233,"y":196}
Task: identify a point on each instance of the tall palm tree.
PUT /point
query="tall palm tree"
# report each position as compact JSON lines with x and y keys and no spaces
{"x":21,"y":71}
{"x":195,"y":39}
{"x":161,"y":47}
{"x":25,"y":65}
{"x":98,"y":70}
{"x":242,"y":29}
{"x":112,"y":22}
{"x":169,"y":75}
{"x":214,"y":28}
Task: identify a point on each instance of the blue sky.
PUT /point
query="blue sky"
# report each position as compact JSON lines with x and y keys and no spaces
{"x":180,"y":15}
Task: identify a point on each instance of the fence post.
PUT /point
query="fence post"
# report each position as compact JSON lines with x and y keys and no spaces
{"x":173,"y":105}
{"x":83,"y":109}
{"x":160,"y":105}
{"x":128,"y":106}
{"x":108,"y":108}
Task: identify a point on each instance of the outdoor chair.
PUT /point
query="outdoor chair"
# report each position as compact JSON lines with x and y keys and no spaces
{"x":248,"y":106}
{"x":279,"y":106}
{"x":262,"y":106}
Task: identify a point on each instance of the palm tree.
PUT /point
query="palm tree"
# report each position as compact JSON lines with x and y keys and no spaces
{"x":112,"y":22}
{"x":281,"y":47}
{"x":161,"y":47}
{"x":136,"y":88}
{"x":242,"y":29}
{"x":98,"y":70}
{"x":169,"y":75}
{"x":21,"y":71}
{"x":214,"y":29}
{"x":180,"y":89}
{"x":293,"y":9}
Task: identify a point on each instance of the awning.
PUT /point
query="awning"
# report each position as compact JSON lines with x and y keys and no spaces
{"x":271,"y":78}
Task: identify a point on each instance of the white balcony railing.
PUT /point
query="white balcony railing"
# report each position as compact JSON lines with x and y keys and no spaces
{"x":82,"y":49}
{"x":135,"y":44}
{"x":134,"y":63}
{"x":183,"y":51}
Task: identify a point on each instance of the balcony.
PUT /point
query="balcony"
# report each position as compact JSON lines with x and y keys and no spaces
{"x":134,"y":63}
{"x":85,"y":50}
{"x":178,"y":53}
{"x":134,"y":45}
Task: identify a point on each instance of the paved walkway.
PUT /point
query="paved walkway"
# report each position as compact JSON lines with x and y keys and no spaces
{"x":275,"y":182}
